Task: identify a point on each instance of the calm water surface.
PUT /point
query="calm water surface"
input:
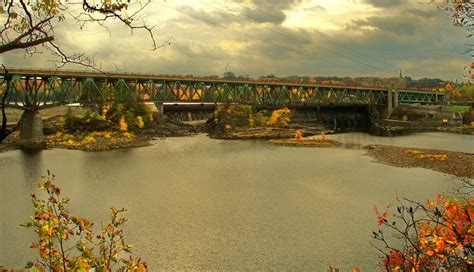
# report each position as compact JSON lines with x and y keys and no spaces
{"x":202,"y":204}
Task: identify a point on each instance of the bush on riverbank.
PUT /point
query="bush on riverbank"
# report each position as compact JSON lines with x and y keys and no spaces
{"x":436,"y":236}
{"x":233,"y":116}
{"x":90,"y":121}
{"x":95,"y":140}
{"x":110,"y":116}
{"x":69,"y":243}
{"x":113,"y":125}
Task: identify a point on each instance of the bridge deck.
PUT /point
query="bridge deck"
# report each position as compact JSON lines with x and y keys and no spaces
{"x":36,"y":86}
{"x":143,"y":76}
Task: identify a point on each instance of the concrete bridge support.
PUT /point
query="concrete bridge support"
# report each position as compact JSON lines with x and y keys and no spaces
{"x":31,"y":130}
{"x":395,"y":99}
{"x":389,"y":102}
{"x":392,"y":100}
{"x":159,"y":107}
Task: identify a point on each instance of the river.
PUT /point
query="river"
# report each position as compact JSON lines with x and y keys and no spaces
{"x":196,"y":203}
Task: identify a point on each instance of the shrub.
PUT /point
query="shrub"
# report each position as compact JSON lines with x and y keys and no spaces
{"x":111,"y":116}
{"x":280,"y":118}
{"x":231,"y":116}
{"x":130,"y":111}
{"x":436,"y":236}
{"x":90,"y":121}
{"x":68,"y":243}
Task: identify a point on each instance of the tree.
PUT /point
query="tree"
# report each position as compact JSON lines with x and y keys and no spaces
{"x":462,"y":13}
{"x":69,"y":243}
{"x":30,"y":26}
{"x":230,"y":75}
{"x":4,"y":130}
{"x":436,"y":236}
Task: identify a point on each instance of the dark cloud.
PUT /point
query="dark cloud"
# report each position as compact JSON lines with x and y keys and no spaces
{"x":387,"y":24}
{"x":398,"y":21}
{"x":430,"y":13}
{"x":215,"y":18}
{"x":269,"y":11}
{"x":412,"y":37}
{"x":317,"y":8}
{"x":385,"y":3}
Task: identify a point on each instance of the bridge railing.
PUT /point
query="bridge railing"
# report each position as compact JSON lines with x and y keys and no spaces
{"x":262,"y":81}
{"x":18,"y":70}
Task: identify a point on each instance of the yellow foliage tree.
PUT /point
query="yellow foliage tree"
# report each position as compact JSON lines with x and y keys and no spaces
{"x":280,"y":118}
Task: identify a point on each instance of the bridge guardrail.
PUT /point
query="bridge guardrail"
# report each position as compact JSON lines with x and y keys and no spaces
{"x":192,"y":78}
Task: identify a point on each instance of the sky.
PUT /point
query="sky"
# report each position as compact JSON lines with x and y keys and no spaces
{"x":281,"y":37}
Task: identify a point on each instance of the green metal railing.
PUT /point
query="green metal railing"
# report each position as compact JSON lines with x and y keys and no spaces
{"x":30,"y":89}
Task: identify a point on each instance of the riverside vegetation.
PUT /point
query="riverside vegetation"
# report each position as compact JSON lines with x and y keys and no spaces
{"x":434,"y":236}
{"x":70,"y":243}
{"x":109,"y":126}
{"x":116,"y":125}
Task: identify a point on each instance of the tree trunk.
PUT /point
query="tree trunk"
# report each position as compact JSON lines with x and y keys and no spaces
{"x":4,"y":131}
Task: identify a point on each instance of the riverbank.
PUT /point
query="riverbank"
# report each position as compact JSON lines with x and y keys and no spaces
{"x":106,"y":140}
{"x":308,"y":142}
{"x":454,"y":163}
{"x":198,"y":189}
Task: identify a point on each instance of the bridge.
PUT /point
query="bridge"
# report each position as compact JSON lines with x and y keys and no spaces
{"x":36,"y":88}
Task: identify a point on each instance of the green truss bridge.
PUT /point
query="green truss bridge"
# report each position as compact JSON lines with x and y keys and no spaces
{"x":38,"y":88}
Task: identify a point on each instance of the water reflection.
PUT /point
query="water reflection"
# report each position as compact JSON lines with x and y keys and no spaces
{"x":430,"y":140}
{"x":201,"y":204}
{"x":32,"y":166}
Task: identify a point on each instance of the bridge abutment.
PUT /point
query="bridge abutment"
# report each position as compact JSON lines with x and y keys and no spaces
{"x":31,"y":130}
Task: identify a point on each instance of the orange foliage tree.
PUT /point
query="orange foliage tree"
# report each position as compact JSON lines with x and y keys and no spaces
{"x":462,"y":13}
{"x":56,"y":229}
{"x":433,"y":236}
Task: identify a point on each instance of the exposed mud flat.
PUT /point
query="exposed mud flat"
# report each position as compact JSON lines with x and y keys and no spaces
{"x":449,"y":162}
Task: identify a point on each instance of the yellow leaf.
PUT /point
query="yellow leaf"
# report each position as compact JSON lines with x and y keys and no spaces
{"x":123,"y":126}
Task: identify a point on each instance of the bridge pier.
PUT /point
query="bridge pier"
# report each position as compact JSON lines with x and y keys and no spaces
{"x":159,"y":107}
{"x":31,"y":130}
{"x":389,"y":101}
{"x":395,"y":99}
{"x":392,"y":100}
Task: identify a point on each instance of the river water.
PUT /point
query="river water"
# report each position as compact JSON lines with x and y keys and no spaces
{"x":196,"y":203}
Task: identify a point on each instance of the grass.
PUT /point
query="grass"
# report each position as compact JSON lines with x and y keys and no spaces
{"x":461,"y":109}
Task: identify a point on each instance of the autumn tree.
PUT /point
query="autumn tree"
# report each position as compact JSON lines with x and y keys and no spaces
{"x":69,"y":243}
{"x":30,"y":26}
{"x":462,"y":13}
{"x":434,"y":236}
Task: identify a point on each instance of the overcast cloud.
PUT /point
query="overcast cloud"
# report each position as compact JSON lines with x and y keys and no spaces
{"x":283,"y":37}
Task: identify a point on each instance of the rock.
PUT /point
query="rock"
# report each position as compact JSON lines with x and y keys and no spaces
{"x":32,"y":145}
{"x":50,"y":129}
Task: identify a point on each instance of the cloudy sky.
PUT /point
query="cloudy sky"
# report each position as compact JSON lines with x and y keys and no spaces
{"x":283,"y":37}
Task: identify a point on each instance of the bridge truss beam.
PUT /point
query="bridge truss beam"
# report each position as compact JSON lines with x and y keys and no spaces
{"x":36,"y":91}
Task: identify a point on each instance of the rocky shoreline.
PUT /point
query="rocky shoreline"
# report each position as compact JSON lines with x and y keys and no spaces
{"x":454,"y":163}
{"x":390,"y":128}
{"x":107,"y":140}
